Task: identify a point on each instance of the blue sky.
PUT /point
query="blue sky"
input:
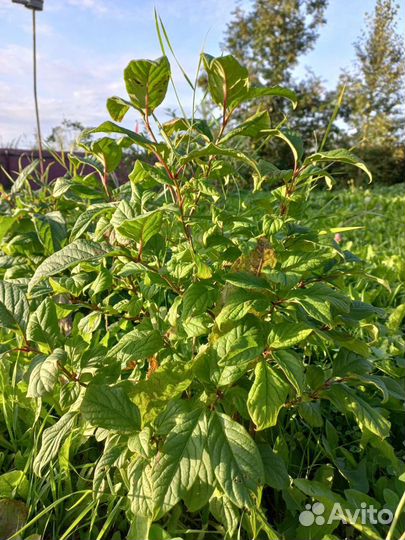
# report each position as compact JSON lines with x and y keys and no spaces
{"x":83,"y":46}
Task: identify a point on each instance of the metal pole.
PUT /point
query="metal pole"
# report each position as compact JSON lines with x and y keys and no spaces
{"x":34,"y":41}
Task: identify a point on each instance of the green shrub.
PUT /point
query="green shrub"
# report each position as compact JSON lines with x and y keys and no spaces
{"x":192,"y":348}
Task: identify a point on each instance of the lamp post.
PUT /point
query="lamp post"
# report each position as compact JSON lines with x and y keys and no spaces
{"x":34,"y":6}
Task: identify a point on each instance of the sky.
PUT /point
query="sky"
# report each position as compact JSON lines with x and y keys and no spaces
{"x":84,"y":45}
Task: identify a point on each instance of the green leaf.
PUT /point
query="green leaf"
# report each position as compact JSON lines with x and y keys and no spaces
{"x":275,"y":91}
{"x":13,"y":484}
{"x":89,"y":324}
{"x":285,"y":335}
{"x":6,"y":223}
{"x":291,"y":138}
{"x":110,"y":408}
{"x":177,"y":465}
{"x":14,"y":307}
{"x":108,"y":152}
{"x":228,"y":81}
{"x":203,"y":486}
{"x":247,"y":281}
{"x":293,"y":368}
{"x":52,"y":440}
{"x":339,"y":156}
{"x":132,"y":136}
{"x":110,"y":456}
{"x":225,"y":513}
{"x":241,"y":344}
{"x":188,"y":124}
{"x":196,"y":299}
{"x":311,"y":413}
{"x":44,"y":374}
{"x":142,"y":228}
{"x":214,"y":150}
{"x":239,"y":304}
{"x":315,"y":304}
{"x":146,"y":82}
{"x":148,"y":175}
{"x":235,"y":458}
{"x":118,"y":108}
{"x":275,"y":471}
{"x":267,"y":396}
{"x":141,"y":527}
{"x":43,"y":326}
{"x":251,"y":127}
{"x":78,"y":251}
{"x":51,"y":230}
{"x":368,"y":417}
{"x":86,"y":218}
{"x":396,"y":318}
{"x":24,"y":175}
{"x":141,"y":488}
{"x":138,"y":344}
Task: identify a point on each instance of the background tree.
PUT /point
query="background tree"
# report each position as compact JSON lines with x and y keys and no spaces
{"x":270,"y":39}
{"x":375,"y":94}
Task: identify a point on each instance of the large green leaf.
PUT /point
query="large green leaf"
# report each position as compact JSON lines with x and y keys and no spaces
{"x":148,"y":175}
{"x":272,"y":91}
{"x":368,"y":417}
{"x":203,"y":486}
{"x":146,"y":82}
{"x":241,"y":344}
{"x":86,"y":218}
{"x":285,"y":335}
{"x":177,"y":465}
{"x":13,"y":483}
{"x":293,"y":367}
{"x":110,"y":408}
{"x":51,"y":231}
{"x":43,"y":326}
{"x":132,"y":136}
{"x":78,"y":251}
{"x":142,"y":228}
{"x":52,"y":440}
{"x":6,"y":222}
{"x":228,"y":81}
{"x":235,"y":458}
{"x":14,"y":307}
{"x":239,"y":304}
{"x":44,"y":374}
{"x":24,"y":175}
{"x":138,"y":344}
{"x":339,"y":156}
{"x":141,"y":488}
{"x":251,"y":127}
{"x":107,"y":151}
{"x":214,"y":150}
{"x":118,"y":107}
{"x":267,"y":396}
{"x":187,"y":124}
{"x":225,"y":512}
{"x":275,"y":470}
{"x":196,"y":299}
